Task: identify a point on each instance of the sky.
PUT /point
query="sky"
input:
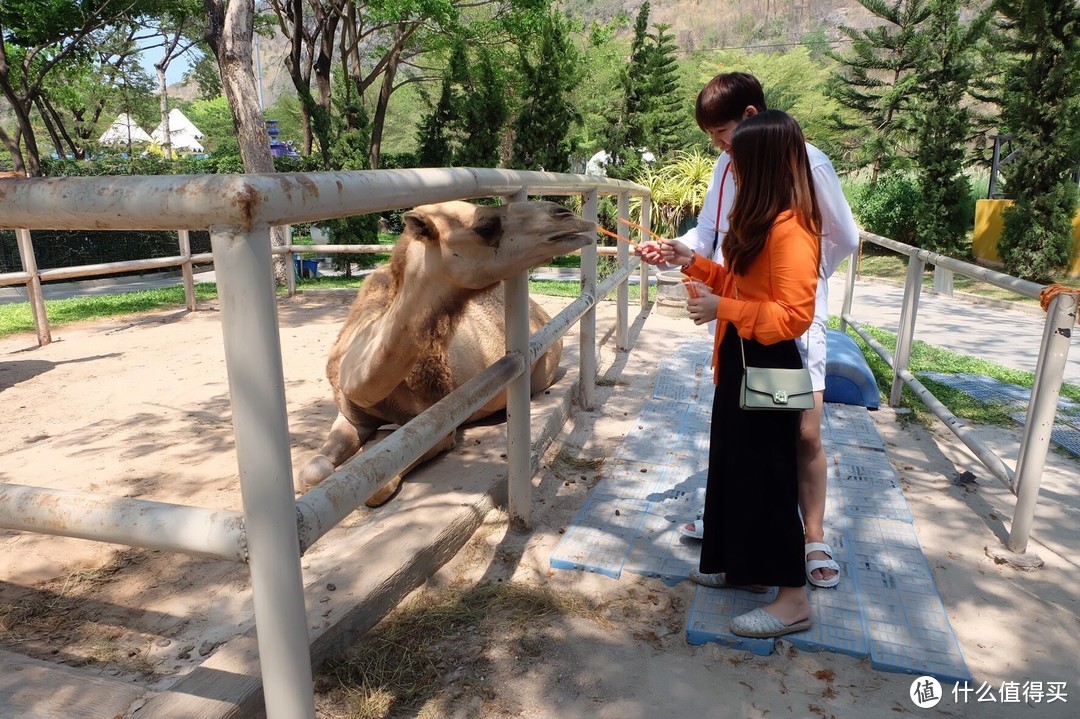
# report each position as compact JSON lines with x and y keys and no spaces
{"x":176,"y":70}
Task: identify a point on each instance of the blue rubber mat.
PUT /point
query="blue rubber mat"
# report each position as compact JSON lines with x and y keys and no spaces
{"x":1066,"y":430}
{"x":886,"y":605}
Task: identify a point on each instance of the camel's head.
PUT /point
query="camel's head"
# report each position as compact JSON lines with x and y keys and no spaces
{"x":476,"y":246}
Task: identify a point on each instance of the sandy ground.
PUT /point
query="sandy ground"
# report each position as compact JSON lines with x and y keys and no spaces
{"x":140,"y":408}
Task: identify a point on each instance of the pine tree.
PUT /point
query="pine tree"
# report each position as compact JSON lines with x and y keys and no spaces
{"x":433,"y":136}
{"x":628,"y":131}
{"x":877,"y":76}
{"x":666,"y":117}
{"x":546,"y":116}
{"x":440,"y":130}
{"x":942,"y":126}
{"x":484,"y":113}
{"x":1041,"y":111}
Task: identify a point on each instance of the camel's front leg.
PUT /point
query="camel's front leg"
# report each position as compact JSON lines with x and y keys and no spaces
{"x":344,"y":441}
{"x":384,"y":493}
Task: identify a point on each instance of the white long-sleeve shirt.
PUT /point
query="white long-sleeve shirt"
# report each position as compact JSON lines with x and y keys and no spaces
{"x":839,"y":233}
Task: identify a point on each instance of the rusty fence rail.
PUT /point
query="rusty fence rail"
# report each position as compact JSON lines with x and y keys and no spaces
{"x":1061,"y":316}
{"x":274,"y":527}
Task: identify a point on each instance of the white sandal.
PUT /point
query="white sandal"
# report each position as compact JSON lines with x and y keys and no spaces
{"x":812,"y":564}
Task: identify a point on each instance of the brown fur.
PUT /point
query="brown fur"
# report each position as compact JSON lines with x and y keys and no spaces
{"x":432,"y":319}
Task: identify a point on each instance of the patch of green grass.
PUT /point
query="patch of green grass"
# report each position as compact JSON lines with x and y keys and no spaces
{"x":16,"y":317}
{"x":927,"y":358}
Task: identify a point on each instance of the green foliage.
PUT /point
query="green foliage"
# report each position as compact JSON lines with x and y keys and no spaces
{"x":678,"y":189}
{"x":652,"y":113}
{"x":875,"y":80}
{"x":1041,"y":110}
{"x":888,"y":207}
{"x":943,"y":122}
{"x":484,"y":112}
{"x":550,"y":70}
{"x":350,"y":152}
{"x":433,"y":136}
{"x":795,"y":83}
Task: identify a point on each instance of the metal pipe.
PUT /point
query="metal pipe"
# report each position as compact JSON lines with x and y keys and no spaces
{"x":587,"y":335}
{"x":964,"y":433}
{"x":849,"y":288}
{"x":110,"y":268}
{"x":324,"y":506}
{"x":643,"y":267}
{"x":518,"y":393}
{"x":998,"y":279}
{"x":215,"y":533}
{"x":184,"y":237}
{"x":166,"y":202}
{"x":33,"y":286}
{"x":622,"y":300}
{"x":905,"y":334}
{"x":1049,"y":374}
{"x":249,"y":327}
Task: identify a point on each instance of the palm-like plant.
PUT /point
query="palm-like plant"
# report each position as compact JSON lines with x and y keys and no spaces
{"x":678,"y":189}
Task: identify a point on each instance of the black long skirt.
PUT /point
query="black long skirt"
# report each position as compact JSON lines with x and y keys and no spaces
{"x":752,"y":528}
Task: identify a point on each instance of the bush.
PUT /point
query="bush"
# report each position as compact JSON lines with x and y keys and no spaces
{"x":888,"y":207}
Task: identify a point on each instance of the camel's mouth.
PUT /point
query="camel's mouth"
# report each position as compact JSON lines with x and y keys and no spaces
{"x":576,"y":239}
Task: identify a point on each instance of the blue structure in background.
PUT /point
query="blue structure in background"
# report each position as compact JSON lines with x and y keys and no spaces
{"x":848,"y":379}
{"x":277,"y":147}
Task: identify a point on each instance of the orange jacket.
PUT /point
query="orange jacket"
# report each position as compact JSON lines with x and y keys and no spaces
{"x":776,"y":297}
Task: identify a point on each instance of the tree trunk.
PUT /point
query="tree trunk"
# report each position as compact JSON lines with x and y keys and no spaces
{"x":12,"y":145}
{"x":166,"y":131}
{"x":229,"y":34}
{"x":387,"y":88}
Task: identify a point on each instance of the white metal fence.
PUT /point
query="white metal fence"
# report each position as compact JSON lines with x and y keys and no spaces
{"x":274,"y":528}
{"x":1061,"y":316}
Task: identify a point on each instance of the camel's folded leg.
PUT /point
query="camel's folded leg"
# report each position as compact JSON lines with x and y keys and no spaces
{"x":384,"y":493}
{"x":344,"y":440}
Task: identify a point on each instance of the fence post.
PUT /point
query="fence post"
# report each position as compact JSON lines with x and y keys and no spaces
{"x":587,"y":334}
{"x":622,"y":294}
{"x":33,"y":287}
{"x":290,"y":264}
{"x":906,"y":332}
{"x":1049,"y":374}
{"x":849,"y":286}
{"x":943,"y":281}
{"x":185,"y":269}
{"x":518,"y":420}
{"x":643,"y":268}
{"x":243,"y":264}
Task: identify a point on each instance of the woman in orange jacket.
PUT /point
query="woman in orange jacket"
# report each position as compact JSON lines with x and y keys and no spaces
{"x":765,"y":294}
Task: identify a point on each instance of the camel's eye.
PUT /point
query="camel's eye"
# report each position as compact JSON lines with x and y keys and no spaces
{"x":489,"y":229}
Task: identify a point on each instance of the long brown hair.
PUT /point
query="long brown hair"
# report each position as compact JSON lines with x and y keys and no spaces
{"x":768,"y":154}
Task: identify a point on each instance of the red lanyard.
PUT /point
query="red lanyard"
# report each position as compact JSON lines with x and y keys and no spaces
{"x":719,"y":204}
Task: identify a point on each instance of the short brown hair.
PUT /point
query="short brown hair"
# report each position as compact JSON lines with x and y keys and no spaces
{"x":726,"y":97}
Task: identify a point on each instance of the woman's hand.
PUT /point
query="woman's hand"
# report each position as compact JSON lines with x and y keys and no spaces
{"x":649,"y":252}
{"x":672,"y":252}
{"x":702,"y":309}
{"x":676,"y":253}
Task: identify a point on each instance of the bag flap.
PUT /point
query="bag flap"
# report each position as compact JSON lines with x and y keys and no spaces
{"x":767,"y":380}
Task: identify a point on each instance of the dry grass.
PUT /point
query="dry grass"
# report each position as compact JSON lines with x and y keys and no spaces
{"x":435,"y":640}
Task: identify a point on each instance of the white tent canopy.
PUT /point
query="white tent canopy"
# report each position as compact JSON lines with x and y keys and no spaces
{"x":122,"y":130}
{"x":184,"y":135}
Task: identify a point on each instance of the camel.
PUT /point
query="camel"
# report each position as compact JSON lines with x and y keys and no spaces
{"x":432,"y":319}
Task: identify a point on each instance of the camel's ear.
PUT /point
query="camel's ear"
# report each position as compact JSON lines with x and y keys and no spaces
{"x":418,"y":225}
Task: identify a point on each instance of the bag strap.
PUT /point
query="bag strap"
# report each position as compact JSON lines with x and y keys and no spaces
{"x":719,"y":204}
{"x":742,"y":347}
